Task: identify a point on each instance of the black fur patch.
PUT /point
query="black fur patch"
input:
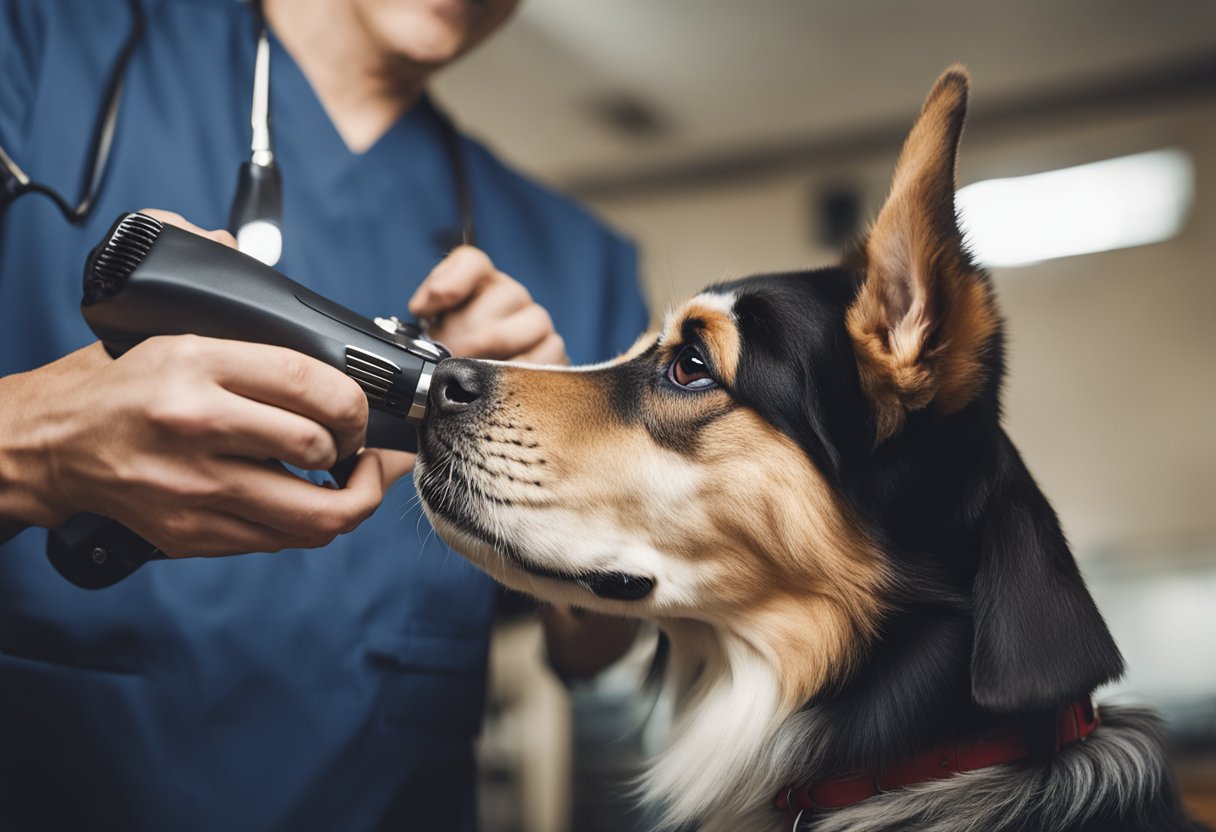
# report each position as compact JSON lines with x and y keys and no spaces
{"x":637,"y":389}
{"x":989,"y":619}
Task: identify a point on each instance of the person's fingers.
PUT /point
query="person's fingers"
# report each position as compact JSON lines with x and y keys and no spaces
{"x":452,"y":282}
{"x":221,"y":235}
{"x":497,"y":299}
{"x":480,"y":312}
{"x":171,"y":218}
{"x":552,"y":350}
{"x":290,"y":380}
{"x":514,"y":335}
{"x":247,"y":428}
{"x":393,"y":464}
{"x":314,"y":513}
{"x":220,"y":534}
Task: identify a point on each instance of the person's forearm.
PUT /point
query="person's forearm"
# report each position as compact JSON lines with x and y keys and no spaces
{"x":24,"y":485}
{"x":24,"y":481}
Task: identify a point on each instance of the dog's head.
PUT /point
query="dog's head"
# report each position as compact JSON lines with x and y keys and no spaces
{"x":811,"y":460}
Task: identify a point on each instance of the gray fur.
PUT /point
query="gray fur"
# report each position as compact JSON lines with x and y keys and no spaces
{"x":1119,"y":771}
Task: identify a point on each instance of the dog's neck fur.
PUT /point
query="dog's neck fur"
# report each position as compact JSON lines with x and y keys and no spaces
{"x":735,"y":741}
{"x":727,"y":708}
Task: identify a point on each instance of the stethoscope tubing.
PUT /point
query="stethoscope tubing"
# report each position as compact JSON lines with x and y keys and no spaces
{"x":18,"y":183}
{"x":100,"y":145}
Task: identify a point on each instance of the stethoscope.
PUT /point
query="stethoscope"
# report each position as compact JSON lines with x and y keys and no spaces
{"x":257,"y":206}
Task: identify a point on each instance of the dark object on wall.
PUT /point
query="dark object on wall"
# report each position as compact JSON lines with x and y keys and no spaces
{"x":837,"y":214}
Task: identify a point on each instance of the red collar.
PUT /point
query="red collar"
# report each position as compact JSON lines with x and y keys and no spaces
{"x":1077,"y":722}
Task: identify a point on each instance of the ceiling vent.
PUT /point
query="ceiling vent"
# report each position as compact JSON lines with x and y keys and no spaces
{"x":628,"y":115}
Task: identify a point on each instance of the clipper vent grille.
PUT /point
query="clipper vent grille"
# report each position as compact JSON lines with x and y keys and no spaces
{"x":121,"y":254}
{"x":374,"y":373}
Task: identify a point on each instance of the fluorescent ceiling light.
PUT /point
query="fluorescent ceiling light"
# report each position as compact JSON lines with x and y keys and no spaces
{"x":1117,"y":203}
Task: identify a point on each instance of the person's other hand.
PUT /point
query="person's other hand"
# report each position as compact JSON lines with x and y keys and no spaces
{"x":173,"y":440}
{"x":581,"y":643}
{"x":476,"y":311}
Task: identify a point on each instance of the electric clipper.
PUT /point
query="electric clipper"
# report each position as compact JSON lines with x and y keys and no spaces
{"x":147,"y":278}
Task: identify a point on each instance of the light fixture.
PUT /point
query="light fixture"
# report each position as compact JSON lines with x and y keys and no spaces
{"x":1112,"y":204}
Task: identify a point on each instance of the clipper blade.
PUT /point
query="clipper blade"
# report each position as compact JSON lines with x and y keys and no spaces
{"x":113,"y":261}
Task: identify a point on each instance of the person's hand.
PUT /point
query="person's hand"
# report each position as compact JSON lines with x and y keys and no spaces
{"x":581,"y":643}
{"x":476,"y":311}
{"x":173,"y":440}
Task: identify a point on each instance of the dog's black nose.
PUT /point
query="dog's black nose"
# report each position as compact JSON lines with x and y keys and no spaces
{"x":457,"y":383}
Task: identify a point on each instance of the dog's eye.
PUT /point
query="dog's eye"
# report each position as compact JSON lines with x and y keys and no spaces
{"x":690,"y":371}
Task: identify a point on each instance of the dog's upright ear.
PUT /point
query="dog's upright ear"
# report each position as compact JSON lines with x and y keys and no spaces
{"x":1039,"y":640}
{"x":924,"y":317}
{"x":923,"y":325}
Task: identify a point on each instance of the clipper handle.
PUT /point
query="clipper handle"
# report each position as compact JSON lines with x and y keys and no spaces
{"x":93,"y":551}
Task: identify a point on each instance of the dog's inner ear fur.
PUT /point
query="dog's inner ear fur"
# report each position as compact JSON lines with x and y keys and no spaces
{"x":923,"y":318}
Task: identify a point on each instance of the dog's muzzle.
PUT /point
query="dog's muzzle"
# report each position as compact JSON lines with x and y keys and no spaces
{"x":463,"y":396}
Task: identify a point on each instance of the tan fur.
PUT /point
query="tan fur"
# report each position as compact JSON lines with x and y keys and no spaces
{"x":718,"y":330}
{"x":639,"y":346}
{"x":779,"y":560}
{"x":766,"y":586}
{"x":797,"y":576}
{"x":924,"y":318}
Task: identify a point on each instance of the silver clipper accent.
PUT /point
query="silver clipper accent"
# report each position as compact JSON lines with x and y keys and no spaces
{"x":374,"y":373}
{"x":381,"y":380}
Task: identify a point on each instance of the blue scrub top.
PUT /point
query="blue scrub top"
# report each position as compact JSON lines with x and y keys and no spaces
{"x":334,"y":689}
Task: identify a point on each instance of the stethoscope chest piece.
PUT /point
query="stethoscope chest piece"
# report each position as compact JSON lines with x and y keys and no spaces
{"x":257,"y":211}
{"x":256,"y":217}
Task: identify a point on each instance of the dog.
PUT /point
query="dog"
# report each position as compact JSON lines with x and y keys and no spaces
{"x":872,"y":618}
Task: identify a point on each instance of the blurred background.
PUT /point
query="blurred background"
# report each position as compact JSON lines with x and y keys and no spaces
{"x":729,"y":138}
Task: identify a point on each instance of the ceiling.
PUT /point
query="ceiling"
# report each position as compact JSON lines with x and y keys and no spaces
{"x":722,"y":76}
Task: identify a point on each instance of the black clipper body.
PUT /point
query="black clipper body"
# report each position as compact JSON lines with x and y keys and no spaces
{"x":147,"y":278}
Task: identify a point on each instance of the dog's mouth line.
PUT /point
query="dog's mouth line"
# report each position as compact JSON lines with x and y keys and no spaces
{"x":616,"y":586}
{"x":610,"y":585}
